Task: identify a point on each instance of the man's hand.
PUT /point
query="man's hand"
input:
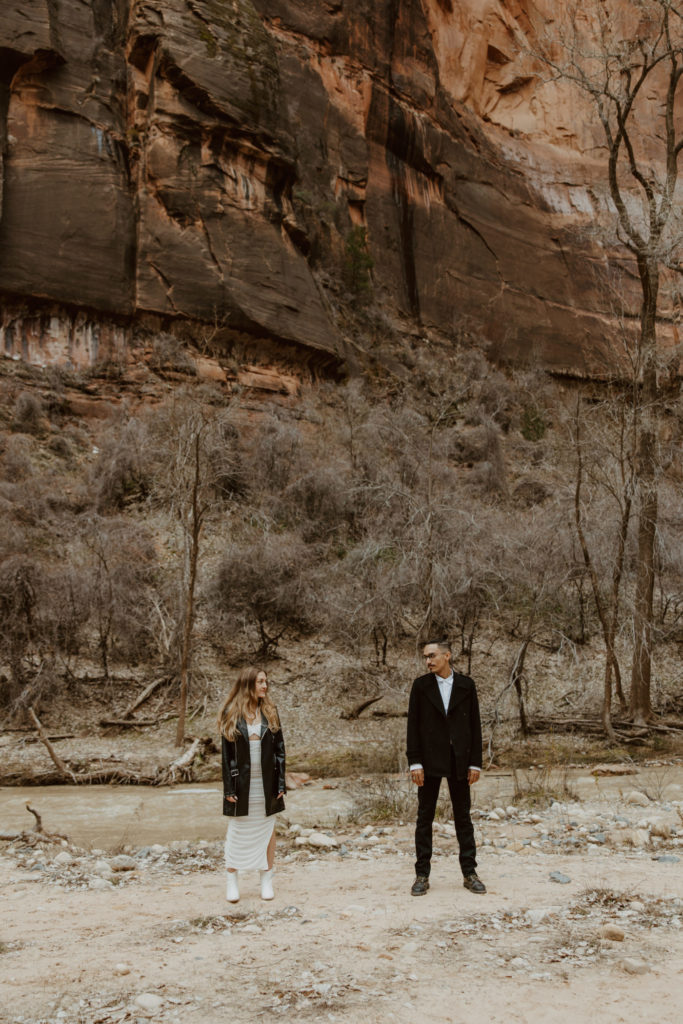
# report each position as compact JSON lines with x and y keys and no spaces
{"x":472,"y":775}
{"x":418,"y":776}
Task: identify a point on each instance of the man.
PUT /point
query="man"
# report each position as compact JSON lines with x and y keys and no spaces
{"x":444,"y":740}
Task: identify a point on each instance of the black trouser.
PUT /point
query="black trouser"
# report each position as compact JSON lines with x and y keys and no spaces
{"x":427,"y":796}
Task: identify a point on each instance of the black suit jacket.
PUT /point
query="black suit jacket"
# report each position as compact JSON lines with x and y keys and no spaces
{"x":433,"y":733}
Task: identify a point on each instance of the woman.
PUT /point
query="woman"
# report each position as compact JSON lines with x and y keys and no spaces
{"x":253,"y":779}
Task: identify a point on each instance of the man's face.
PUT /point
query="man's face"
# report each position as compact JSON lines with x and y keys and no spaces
{"x":438,"y":660}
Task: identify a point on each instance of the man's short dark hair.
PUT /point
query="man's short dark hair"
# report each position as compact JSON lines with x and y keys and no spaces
{"x":441,"y":642}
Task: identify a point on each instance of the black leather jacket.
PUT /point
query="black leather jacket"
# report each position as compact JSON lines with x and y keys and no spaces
{"x":236,"y":765}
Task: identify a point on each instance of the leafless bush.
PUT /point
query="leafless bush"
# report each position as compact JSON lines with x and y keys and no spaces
{"x":29,"y":417}
{"x":15,"y":461}
{"x":265,"y":585}
{"x":168,"y":353}
{"x":226,"y":470}
{"x":318,"y":502}
{"x":119,"y":561}
{"x":276,"y":456}
{"x":122,"y":473}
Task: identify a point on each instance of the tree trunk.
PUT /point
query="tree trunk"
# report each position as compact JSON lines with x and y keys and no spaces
{"x":641,"y":672}
{"x":195,"y":530}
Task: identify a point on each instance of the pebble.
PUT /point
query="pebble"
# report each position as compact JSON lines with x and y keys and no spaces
{"x":63,"y":859}
{"x":148,"y":1001}
{"x":122,"y":863}
{"x":557,"y":876}
{"x":409,"y":947}
{"x":317,"y":839}
{"x":100,"y":883}
{"x":537,"y":915}
{"x":633,"y":966}
{"x":637,"y":798}
{"x":102,"y":868}
{"x":667,"y":858}
{"x":612,"y":931}
{"x":121,"y":969}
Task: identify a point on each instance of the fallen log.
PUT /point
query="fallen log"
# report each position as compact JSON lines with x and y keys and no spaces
{"x":182,"y":766}
{"x":127,"y":723}
{"x":164,"y":775}
{"x":61,"y":766}
{"x":356,"y":711}
{"x":145,"y":695}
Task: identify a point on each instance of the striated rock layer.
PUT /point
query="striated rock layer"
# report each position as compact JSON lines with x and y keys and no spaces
{"x":206,"y":160}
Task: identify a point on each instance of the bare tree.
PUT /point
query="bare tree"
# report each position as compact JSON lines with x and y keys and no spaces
{"x":197,"y":469}
{"x":619,"y":55}
{"x":611,"y":469}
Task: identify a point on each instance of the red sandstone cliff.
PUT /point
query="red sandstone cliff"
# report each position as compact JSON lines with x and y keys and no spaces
{"x":204,"y":160}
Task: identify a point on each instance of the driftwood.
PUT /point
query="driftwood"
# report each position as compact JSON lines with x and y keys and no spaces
{"x":127,"y":723}
{"x":356,"y":711}
{"x":145,"y":695}
{"x":36,"y":834}
{"x":181,"y":767}
{"x":594,"y":725}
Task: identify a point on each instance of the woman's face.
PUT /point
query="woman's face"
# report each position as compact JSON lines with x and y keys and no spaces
{"x":261,"y":685}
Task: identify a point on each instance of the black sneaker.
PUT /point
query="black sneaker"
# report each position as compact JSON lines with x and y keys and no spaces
{"x":473,"y":883}
{"x":420,"y":886}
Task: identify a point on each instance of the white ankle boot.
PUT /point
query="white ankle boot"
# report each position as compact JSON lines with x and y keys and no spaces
{"x":267,"y":884}
{"x":232,"y":893}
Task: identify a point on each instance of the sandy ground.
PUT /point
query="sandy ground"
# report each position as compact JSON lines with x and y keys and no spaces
{"x":344,"y":940}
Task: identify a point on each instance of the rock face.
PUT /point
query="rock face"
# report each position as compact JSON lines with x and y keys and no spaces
{"x":207,"y":160}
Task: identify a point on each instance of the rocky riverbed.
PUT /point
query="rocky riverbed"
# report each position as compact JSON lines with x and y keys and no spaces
{"x":583,"y":919}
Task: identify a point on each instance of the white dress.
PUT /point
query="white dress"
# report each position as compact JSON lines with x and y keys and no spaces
{"x":246,"y":843}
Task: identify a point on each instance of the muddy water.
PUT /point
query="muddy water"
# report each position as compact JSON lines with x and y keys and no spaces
{"x":108,"y":817}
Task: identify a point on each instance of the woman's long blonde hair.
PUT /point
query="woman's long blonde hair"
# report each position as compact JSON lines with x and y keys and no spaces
{"x":242,"y":700}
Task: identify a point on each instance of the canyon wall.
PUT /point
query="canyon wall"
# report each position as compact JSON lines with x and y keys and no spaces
{"x":204,"y":162}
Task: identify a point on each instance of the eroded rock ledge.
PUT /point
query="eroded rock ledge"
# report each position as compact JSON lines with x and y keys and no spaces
{"x":205,"y":160}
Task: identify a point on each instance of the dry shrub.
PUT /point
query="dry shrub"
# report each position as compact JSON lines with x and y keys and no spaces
{"x":15,"y":461}
{"x":169,"y":354}
{"x":265,"y":584}
{"x":317,"y":502}
{"x":121,"y":475}
{"x":29,"y":417}
{"x":276,"y":456}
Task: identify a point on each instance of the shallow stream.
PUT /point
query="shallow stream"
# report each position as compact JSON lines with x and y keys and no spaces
{"x":109,"y":817}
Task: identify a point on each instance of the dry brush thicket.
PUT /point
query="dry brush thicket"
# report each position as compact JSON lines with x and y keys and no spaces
{"x":370,"y":515}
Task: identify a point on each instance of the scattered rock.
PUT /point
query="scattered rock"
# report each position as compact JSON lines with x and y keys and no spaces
{"x":637,"y":798}
{"x":667,"y":858}
{"x":121,"y":969}
{"x":149,"y":1002}
{"x":63,"y":859}
{"x":662,"y":829}
{"x":557,"y":876}
{"x":317,"y":839}
{"x":122,"y":863}
{"x":102,"y":868}
{"x":100,"y":883}
{"x":612,"y":931}
{"x":633,"y":966}
{"x":614,"y":769}
{"x":537,"y":915}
